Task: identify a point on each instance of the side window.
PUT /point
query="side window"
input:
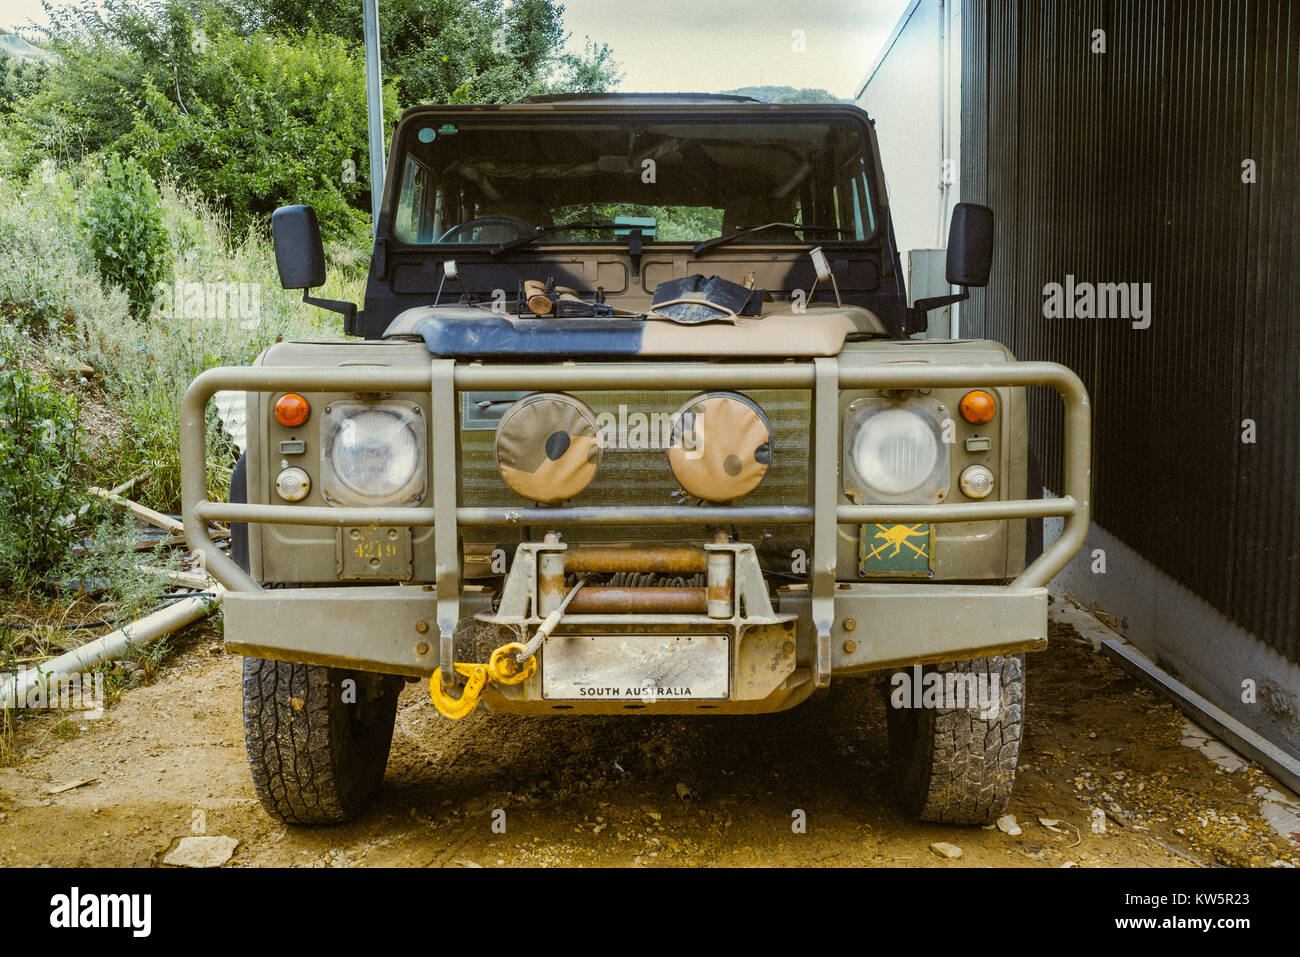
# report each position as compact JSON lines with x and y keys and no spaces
{"x":858,"y":230}
{"x":862,"y":198}
{"x":418,"y":204}
{"x":853,"y":200}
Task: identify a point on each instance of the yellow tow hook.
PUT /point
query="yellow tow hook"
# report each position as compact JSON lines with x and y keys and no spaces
{"x":455,"y":708}
{"x":501,"y":668}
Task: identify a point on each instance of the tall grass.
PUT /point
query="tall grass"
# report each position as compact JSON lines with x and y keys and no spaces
{"x":50,"y":290}
{"x":73,"y":334}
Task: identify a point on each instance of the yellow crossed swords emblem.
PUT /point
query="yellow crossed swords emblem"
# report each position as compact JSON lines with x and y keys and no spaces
{"x":898,"y":536}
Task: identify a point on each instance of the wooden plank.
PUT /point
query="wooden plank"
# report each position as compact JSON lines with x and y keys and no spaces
{"x":142,"y":512}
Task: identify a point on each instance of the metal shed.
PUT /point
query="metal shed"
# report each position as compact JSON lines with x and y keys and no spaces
{"x":1157,"y":143}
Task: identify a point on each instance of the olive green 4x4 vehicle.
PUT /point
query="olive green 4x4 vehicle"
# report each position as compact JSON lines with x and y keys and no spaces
{"x":631,"y":422}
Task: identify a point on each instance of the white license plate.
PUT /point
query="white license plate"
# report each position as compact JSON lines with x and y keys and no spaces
{"x":636,"y":668}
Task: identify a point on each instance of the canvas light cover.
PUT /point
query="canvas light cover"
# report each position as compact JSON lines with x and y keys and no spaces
{"x":548,"y":446}
{"x":721,"y":446}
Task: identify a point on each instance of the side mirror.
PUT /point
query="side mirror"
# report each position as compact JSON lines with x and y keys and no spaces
{"x":299,"y":253}
{"x":970,"y":245}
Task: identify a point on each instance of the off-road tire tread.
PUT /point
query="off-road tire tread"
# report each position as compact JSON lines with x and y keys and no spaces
{"x":960,"y":767}
{"x":309,"y":764}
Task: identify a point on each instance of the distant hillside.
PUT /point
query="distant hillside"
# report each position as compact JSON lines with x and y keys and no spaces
{"x":14,"y":45}
{"x":787,"y":94}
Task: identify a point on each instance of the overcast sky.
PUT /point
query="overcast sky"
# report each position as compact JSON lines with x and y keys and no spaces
{"x":14,"y":13}
{"x":688,"y":45}
{"x":693,"y":46}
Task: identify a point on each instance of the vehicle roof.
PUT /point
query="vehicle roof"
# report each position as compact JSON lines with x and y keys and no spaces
{"x":609,"y":103}
{"x":629,"y":99}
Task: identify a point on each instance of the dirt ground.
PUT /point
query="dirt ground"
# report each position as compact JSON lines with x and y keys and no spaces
{"x":167,"y":760}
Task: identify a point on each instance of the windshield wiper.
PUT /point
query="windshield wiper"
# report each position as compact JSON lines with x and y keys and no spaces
{"x":505,"y":247}
{"x":746,"y":230}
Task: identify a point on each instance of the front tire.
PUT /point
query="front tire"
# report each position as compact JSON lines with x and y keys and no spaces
{"x":317,"y":745}
{"x":958,"y":765}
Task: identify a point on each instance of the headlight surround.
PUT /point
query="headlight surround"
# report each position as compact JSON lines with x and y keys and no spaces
{"x":894,"y":452}
{"x":373,"y":453}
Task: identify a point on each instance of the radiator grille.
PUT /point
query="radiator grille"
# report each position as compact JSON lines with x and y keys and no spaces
{"x":641,"y":476}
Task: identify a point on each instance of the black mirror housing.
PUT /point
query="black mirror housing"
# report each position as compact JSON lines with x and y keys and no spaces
{"x":970,"y":245}
{"x":299,"y":253}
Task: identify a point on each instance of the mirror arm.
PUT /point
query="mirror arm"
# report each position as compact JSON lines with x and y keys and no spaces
{"x":347,"y":309}
{"x":923,"y":306}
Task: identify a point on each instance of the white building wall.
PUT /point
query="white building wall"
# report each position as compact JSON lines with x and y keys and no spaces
{"x":913,"y":92}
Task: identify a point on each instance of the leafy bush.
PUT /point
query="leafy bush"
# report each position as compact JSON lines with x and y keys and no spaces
{"x":40,"y":453}
{"x":152,"y":362}
{"x":255,"y":104}
{"x":123,"y":222}
{"x":47,"y":274}
{"x":276,"y":122}
{"x":131,"y":405}
{"x":250,"y":122}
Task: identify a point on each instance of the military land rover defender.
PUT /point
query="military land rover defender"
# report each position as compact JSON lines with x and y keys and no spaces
{"x":633,"y":421}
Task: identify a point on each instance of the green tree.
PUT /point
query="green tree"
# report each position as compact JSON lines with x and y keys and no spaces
{"x":274,"y":122}
{"x":249,"y":122}
{"x":123,"y":221}
{"x":262,"y":102}
{"x":457,"y":51}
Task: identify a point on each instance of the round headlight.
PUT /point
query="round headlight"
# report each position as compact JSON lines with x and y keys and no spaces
{"x":374,"y":452}
{"x":895,"y":452}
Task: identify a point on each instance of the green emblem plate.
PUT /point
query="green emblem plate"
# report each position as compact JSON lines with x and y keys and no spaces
{"x":896,"y":550}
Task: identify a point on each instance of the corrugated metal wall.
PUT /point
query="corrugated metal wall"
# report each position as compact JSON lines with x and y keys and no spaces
{"x":1126,"y":166}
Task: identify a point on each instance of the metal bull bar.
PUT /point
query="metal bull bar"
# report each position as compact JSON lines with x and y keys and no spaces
{"x":443,"y":379}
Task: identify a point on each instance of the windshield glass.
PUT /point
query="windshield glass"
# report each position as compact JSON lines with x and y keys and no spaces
{"x":493,"y":179}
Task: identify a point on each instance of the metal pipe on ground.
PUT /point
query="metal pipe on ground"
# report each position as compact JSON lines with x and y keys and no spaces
{"x":149,"y":628}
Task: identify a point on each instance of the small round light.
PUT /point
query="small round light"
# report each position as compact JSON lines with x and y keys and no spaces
{"x":293,"y":484}
{"x":978,"y":407}
{"x":291,"y":410}
{"x":976,"y":481}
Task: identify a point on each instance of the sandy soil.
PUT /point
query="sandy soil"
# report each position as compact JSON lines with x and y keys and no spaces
{"x":168,"y":760}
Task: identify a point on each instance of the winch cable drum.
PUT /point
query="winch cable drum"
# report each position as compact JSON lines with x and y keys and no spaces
{"x":515,"y":662}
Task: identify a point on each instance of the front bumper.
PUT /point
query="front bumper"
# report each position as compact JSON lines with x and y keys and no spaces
{"x":379,"y":628}
{"x":877,"y":626}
